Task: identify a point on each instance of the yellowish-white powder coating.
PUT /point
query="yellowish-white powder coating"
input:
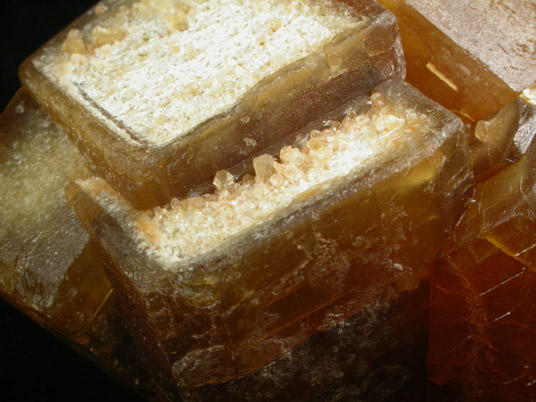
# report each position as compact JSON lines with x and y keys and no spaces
{"x":162,"y":67}
{"x":529,"y":94}
{"x":193,"y":226}
{"x":40,"y":236}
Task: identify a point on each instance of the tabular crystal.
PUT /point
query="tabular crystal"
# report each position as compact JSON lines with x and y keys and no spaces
{"x":471,"y":56}
{"x":483,"y":312}
{"x":217,"y":286}
{"x":158,"y":106}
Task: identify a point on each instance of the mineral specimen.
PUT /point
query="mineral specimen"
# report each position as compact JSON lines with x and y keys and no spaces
{"x":49,"y":268}
{"x":502,"y":138}
{"x":471,"y":56}
{"x":215,"y":287}
{"x":483,"y":313}
{"x":376,"y":355}
{"x":158,"y":95}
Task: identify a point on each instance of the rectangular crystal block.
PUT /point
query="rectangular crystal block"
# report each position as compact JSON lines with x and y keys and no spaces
{"x":49,"y":268}
{"x":482,"y":312}
{"x":217,"y":286}
{"x":158,"y":95}
{"x":473,"y":57}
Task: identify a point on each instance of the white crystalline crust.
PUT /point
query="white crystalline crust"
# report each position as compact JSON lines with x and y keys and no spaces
{"x":162,"y":67}
{"x":39,"y":234}
{"x":190,"y":227}
{"x":529,"y":95}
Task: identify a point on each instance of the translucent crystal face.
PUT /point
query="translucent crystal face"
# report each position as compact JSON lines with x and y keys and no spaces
{"x":193,"y":226}
{"x":40,"y":237}
{"x":160,"y":94}
{"x":474,"y":26}
{"x":471,"y":56}
{"x":209,"y":55}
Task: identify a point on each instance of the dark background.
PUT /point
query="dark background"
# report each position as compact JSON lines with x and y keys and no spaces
{"x":34,"y":366}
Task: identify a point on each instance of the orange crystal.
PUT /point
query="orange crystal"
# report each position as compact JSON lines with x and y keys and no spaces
{"x":473,"y":57}
{"x":483,"y":313}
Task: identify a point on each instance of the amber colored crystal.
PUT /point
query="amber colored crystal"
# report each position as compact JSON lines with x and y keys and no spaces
{"x":473,"y":57}
{"x":49,"y":268}
{"x":226,"y":314}
{"x":502,"y":138}
{"x":149,"y":174}
{"x":483,"y":312}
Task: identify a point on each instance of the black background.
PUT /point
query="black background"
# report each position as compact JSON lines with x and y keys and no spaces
{"x":35,"y":366}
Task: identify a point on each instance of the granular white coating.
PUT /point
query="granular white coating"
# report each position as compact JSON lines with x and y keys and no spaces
{"x":193,"y":226}
{"x":160,"y":77}
{"x":529,"y":94}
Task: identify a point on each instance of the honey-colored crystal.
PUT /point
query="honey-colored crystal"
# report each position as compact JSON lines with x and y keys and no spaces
{"x":49,"y":267}
{"x":338,"y":249}
{"x":473,"y":57}
{"x":502,"y":138}
{"x":144,"y":166}
{"x":482,"y":318}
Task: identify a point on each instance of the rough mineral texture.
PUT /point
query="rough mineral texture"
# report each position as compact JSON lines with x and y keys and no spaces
{"x":483,"y":312}
{"x":471,"y":56}
{"x":326,"y":257}
{"x":149,"y":165}
{"x":49,"y":268}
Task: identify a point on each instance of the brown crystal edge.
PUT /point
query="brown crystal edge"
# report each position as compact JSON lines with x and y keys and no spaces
{"x":111,"y":240}
{"x":471,"y":100}
{"x":97,"y":334}
{"x":99,"y":224}
{"x":143,"y":387}
{"x":384,"y":344}
{"x":151,"y":177}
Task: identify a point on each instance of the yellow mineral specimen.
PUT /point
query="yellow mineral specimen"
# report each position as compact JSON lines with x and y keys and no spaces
{"x":159,"y":95}
{"x":217,"y":287}
{"x":482,"y":313}
{"x":471,"y":56}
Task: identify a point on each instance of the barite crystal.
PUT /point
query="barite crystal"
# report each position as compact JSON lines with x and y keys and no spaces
{"x":49,"y":267}
{"x":177,"y":105}
{"x":473,"y":57}
{"x":502,"y":138}
{"x":215,"y":291}
{"x":483,"y":313}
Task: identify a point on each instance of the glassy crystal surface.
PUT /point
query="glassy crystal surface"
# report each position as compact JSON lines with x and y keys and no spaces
{"x":471,"y":56}
{"x":502,"y":138}
{"x":120,"y":78}
{"x":246,"y":299}
{"x":49,"y":268}
{"x":482,"y":318}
